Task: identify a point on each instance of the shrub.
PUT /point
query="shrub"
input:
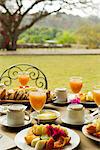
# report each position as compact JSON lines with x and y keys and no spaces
{"x":65,"y":37}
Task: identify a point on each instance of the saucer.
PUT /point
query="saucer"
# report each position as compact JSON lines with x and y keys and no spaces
{"x":46,"y":115}
{"x":60,"y":102}
{"x":3,"y":121}
{"x":65,"y":120}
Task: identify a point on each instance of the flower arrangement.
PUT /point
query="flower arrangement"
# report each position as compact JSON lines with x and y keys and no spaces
{"x":75,"y":101}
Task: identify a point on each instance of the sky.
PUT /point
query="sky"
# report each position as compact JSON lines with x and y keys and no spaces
{"x":88,"y":12}
{"x":82,"y":13}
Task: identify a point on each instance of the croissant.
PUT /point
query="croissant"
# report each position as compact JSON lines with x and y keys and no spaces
{"x":3,"y":94}
{"x":10,"y":94}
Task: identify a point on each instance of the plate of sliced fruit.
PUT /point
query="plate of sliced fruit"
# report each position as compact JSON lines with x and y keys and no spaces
{"x":52,"y":137}
{"x":92,"y":130}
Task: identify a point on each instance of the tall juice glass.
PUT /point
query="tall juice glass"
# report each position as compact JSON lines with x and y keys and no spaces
{"x":76,"y":84}
{"x":23,"y":78}
{"x":96,"y":97}
{"x":37,"y":101}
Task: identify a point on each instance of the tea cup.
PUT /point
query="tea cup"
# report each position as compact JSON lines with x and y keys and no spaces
{"x":61,"y":94}
{"x":75,"y":114}
{"x":16,"y":115}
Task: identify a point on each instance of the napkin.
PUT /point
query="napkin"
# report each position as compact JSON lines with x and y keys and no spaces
{"x":6,"y":142}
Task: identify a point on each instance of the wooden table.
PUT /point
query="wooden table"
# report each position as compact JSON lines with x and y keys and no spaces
{"x":85,"y":144}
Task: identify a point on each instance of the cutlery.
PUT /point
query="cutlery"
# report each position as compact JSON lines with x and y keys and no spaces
{"x":94,"y":113}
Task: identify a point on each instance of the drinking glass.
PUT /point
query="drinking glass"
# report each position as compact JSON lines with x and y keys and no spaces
{"x":76,"y":84}
{"x":96,"y":97}
{"x":37,"y":101}
{"x":23,"y":78}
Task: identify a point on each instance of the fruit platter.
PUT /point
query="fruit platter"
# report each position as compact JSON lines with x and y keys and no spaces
{"x":92,"y":130}
{"x":47,"y":137}
{"x":20,"y":95}
{"x":87,"y":99}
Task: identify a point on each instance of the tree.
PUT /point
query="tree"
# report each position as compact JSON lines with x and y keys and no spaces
{"x":12,"y":13}
{"x":65,"y":38}
{"x":89,"y":35}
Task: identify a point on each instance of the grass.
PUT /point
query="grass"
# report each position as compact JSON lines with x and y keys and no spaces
{"x":59,"y":69}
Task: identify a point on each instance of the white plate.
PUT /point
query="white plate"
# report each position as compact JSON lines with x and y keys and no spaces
{"x":20,"y":142}
{"x":46,"y":112}
{"x":3,"y":121}
{"x":88,"y":135}
{"x":64,"y":120}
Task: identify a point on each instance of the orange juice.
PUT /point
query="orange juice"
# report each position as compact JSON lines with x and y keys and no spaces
{"x":37,"y":100}
{"x":23,"y":79}
{"x":96,"y":96}
{"x":76,"y":86}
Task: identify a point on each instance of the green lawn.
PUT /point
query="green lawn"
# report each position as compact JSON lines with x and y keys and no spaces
{"x":59,"y":69}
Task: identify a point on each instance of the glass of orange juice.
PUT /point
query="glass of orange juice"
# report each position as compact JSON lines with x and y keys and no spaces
{"x":37,"y":100}
{"x":76,"y":84}
{"x":23,"y":78}
{"x":96,"y":97}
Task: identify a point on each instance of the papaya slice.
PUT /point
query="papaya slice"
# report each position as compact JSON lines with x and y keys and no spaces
{"x":29,"y":138}
{"x":61,"y":142}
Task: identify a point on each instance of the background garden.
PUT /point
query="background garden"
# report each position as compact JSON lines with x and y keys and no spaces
{"x":59,"y":69}
{"x":31,"y":24}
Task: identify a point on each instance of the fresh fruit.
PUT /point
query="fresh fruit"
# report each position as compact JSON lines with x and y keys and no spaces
{"x":39,"y":129}
{"x":96,"y":122}
{"x":61,"y":142}
{"x":82,"y":97}
{"x":89,"y":96}
{"x":44,"y":129}
{"x":29,"y":138}
{"x":97,"y":134}
{"x":34,"y":141}
{"x":30,"y":131}
{"x":40,"y":145}
{"x":91,"y":128}
{"x":47,"y":137}
{"x":50,"y":144}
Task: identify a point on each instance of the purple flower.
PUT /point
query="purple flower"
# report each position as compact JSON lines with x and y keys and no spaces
{"x":75,"y":101}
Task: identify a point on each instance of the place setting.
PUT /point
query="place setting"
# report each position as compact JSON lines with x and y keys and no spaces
{"x":60,"y":97}
{"x":44,"y":130}
{"x":37,"y":102}
{"x":41,"y":136}
{"x":76,"y":115}
{"x":15,"y":116}
{"x":92,"y":130}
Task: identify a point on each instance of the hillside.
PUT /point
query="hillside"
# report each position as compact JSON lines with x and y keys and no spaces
{"x":64,"y":21}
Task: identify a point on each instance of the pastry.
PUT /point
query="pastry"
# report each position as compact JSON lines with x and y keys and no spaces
{"x":3,"y":94}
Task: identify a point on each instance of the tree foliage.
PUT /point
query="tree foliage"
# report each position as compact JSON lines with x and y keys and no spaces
{"x":90,"y":35}
{"x":38,"y":35}
{"x":12,"y":13}
{"x":65,"y":38}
